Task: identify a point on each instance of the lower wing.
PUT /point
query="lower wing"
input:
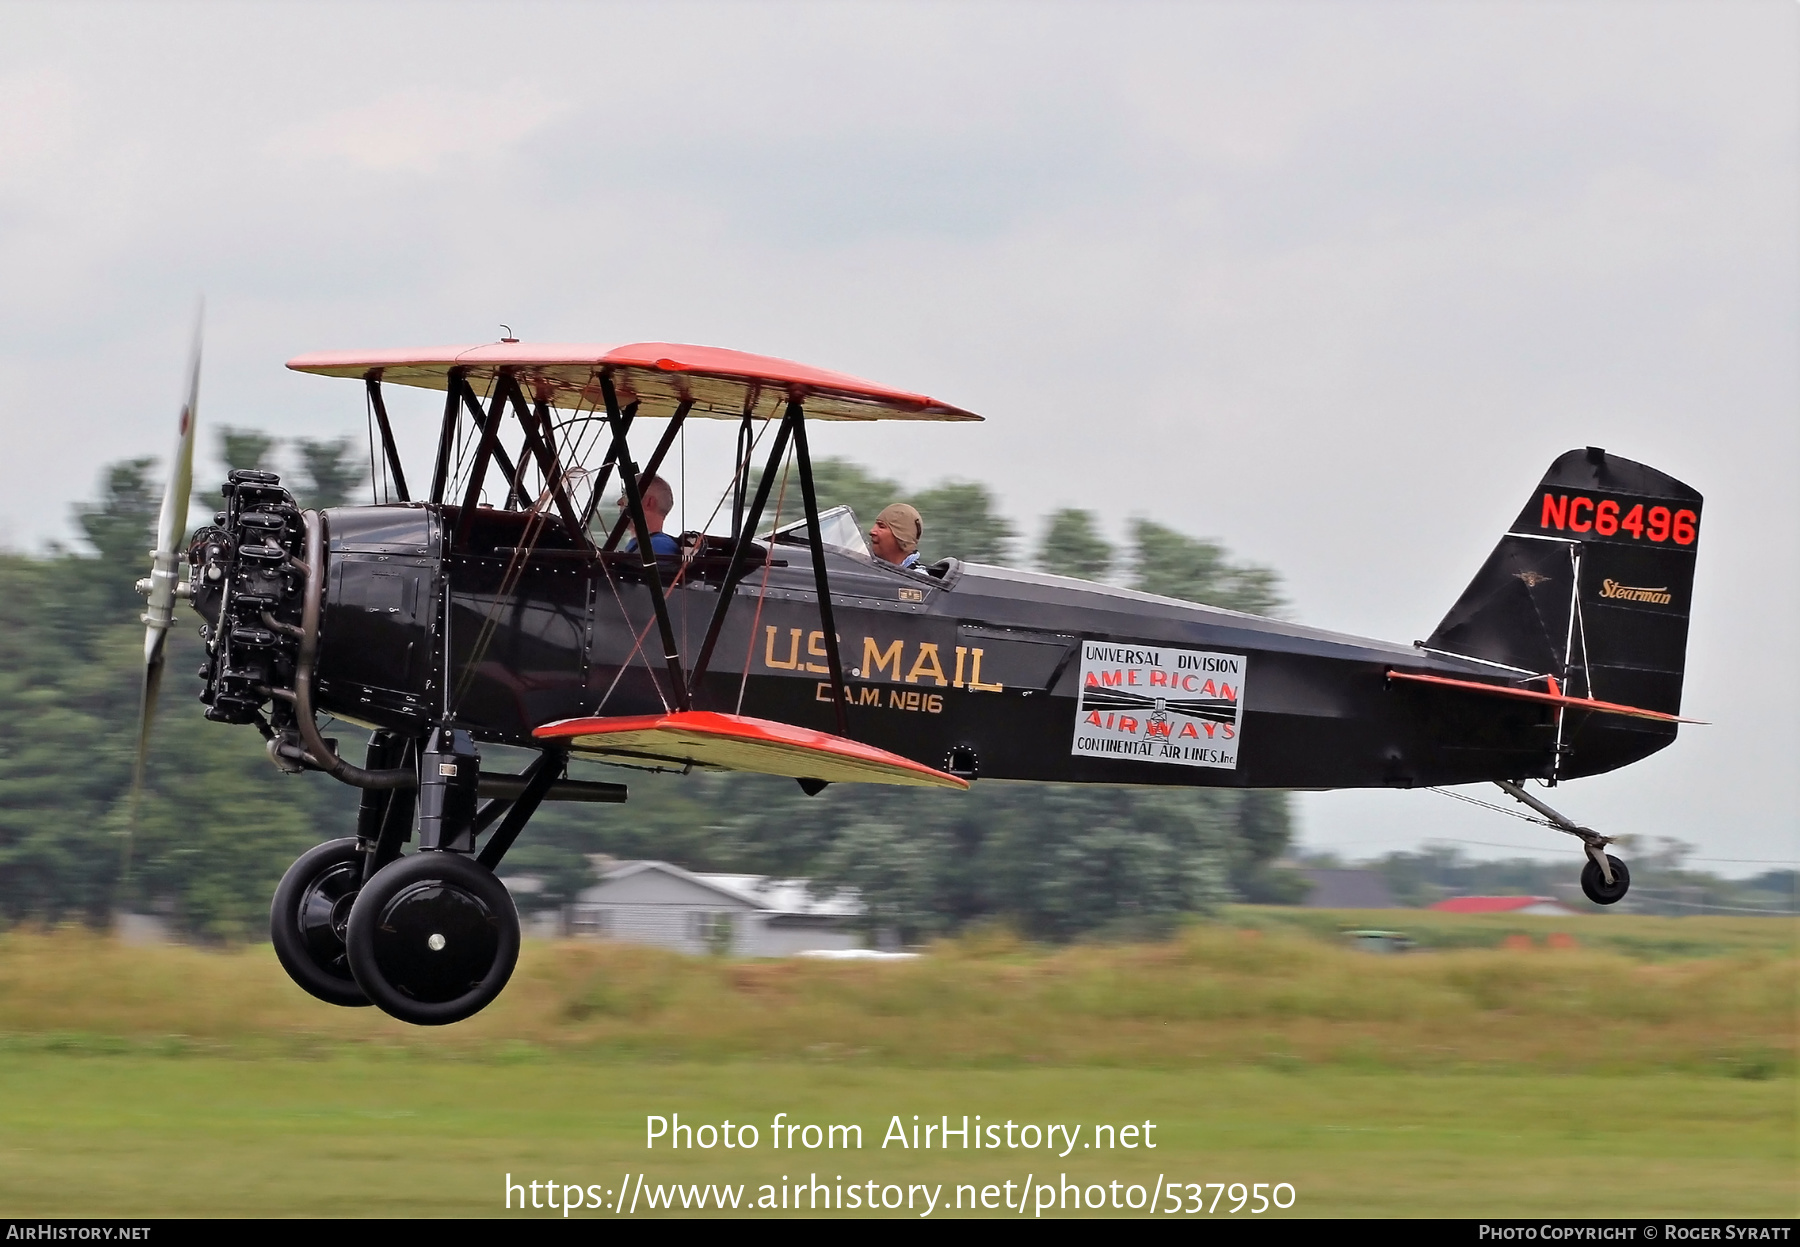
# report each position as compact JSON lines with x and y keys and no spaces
{"x":732,"y":742}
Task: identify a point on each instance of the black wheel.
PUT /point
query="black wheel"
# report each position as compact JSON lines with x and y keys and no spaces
{"x":433,"y":938}
{"x":307,"y":919}
{"x":1595,"y":885}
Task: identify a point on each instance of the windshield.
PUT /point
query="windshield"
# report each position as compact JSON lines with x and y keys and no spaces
{"x":837,"y":528}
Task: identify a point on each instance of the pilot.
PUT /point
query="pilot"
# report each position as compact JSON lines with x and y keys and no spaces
{"x":659,"y":501}
{"x":894,"y":537}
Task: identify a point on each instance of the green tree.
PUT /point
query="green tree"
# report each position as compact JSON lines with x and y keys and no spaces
{"x":839,"y":483}
{"x":67,"y":702}
{"x":122,"y":525}
{"x":1063,"y":860}
{"x":1264,"y":828}
{"x":1072,"y":546}
{"x":250,"y":449}
{"x":121,"y":528}
{"x":961,"y":522}
{"x":1054,"y":860}
{"x":218,"y":824}
{"x":1175,"y":565}
{"x":898,"y":872}
{"x":329,"y":470}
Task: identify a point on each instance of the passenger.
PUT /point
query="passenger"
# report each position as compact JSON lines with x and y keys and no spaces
{"x":894,"y":537}
{"x":659,"y":502}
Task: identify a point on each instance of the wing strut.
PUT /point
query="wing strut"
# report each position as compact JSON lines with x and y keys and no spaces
{"x":634,"y":500}
{"x":486,"y":449}
{"x":440,"y":475}
{"x":827,"y":620}
{"x":372,"y":382}
{"x":745,"y":533}
{"x":481,"y":424}
{"x":746,"y":442}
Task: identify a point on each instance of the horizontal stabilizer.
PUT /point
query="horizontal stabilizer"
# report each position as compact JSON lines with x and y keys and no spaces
{"x":1553,"y":698}
{"x":731,"y":742}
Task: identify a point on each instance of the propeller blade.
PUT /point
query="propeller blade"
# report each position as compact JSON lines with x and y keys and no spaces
{"x":153,"y":674}
{"x":171,"y":524}
{"x":165,"y":575}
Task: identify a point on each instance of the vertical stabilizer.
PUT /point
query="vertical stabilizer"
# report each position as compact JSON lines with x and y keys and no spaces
{"x":1592,"y":584}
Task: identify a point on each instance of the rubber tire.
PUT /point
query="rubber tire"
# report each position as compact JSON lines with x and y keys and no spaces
{"x":387,"y":938}
{"x":1594,"y":884}
{"x":306,"y":951}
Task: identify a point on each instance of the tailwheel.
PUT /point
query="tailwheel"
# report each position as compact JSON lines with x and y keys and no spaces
{"x":1594,"y":884}
{"x":433,"y":938}
{"x":307,"y":919}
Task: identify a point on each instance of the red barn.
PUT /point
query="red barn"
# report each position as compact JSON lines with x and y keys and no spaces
{"x":1505,"y":905}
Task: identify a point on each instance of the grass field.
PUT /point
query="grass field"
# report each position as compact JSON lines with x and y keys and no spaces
{"x":1649,"y":1072}
{"x":205,"y":1136}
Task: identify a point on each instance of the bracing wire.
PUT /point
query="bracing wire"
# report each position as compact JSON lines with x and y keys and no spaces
{"x":637,"y":647}
{"x":509,"y":581}
{"x":536,"y":520}
{"x":763,"y":592}
{"x":638,"y":642}
{"x":1498,"y":809}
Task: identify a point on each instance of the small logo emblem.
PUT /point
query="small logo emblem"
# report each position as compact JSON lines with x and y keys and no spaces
{"x":912,"y":595}
{"x":446,"y":768}
{"x":1533,"y":579}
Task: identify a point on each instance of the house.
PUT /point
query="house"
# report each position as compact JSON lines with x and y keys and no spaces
{"x":691,"y":912}
{"x":1347,"y":889}
{"x":1544,"y":905}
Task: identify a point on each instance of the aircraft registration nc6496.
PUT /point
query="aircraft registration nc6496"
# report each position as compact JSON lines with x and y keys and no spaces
{"x":482,"y":601}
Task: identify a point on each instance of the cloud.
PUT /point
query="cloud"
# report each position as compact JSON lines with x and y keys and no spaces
{"x":38,"y":121}
{"x":420,"y":130}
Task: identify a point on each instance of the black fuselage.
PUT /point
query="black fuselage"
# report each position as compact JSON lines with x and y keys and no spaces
{"x":983,"y":670}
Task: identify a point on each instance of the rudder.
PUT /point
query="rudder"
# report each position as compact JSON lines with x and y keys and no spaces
{"x":1593,"y":584}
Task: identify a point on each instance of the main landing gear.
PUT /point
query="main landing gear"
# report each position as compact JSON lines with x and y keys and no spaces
{"x":430,"y":938}
{"x":1604,"y":878}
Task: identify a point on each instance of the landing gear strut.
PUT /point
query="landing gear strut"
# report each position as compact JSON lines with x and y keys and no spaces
{"x":1604,"y":879}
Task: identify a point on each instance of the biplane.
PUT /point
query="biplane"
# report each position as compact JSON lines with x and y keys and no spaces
{"x":489,"y":597}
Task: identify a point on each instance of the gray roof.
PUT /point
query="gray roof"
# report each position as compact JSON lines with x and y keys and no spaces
{"x":773,"y":896}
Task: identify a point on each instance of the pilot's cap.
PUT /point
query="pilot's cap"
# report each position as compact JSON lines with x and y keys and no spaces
{"x":904,"y":523}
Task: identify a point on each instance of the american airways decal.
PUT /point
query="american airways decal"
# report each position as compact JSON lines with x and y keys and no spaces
{"x":1153,"y":704}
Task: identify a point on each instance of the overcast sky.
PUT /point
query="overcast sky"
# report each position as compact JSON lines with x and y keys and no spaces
{"x":1332,"y":283}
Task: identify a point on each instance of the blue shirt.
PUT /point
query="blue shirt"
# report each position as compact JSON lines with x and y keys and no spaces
{"x":662,"y":546}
